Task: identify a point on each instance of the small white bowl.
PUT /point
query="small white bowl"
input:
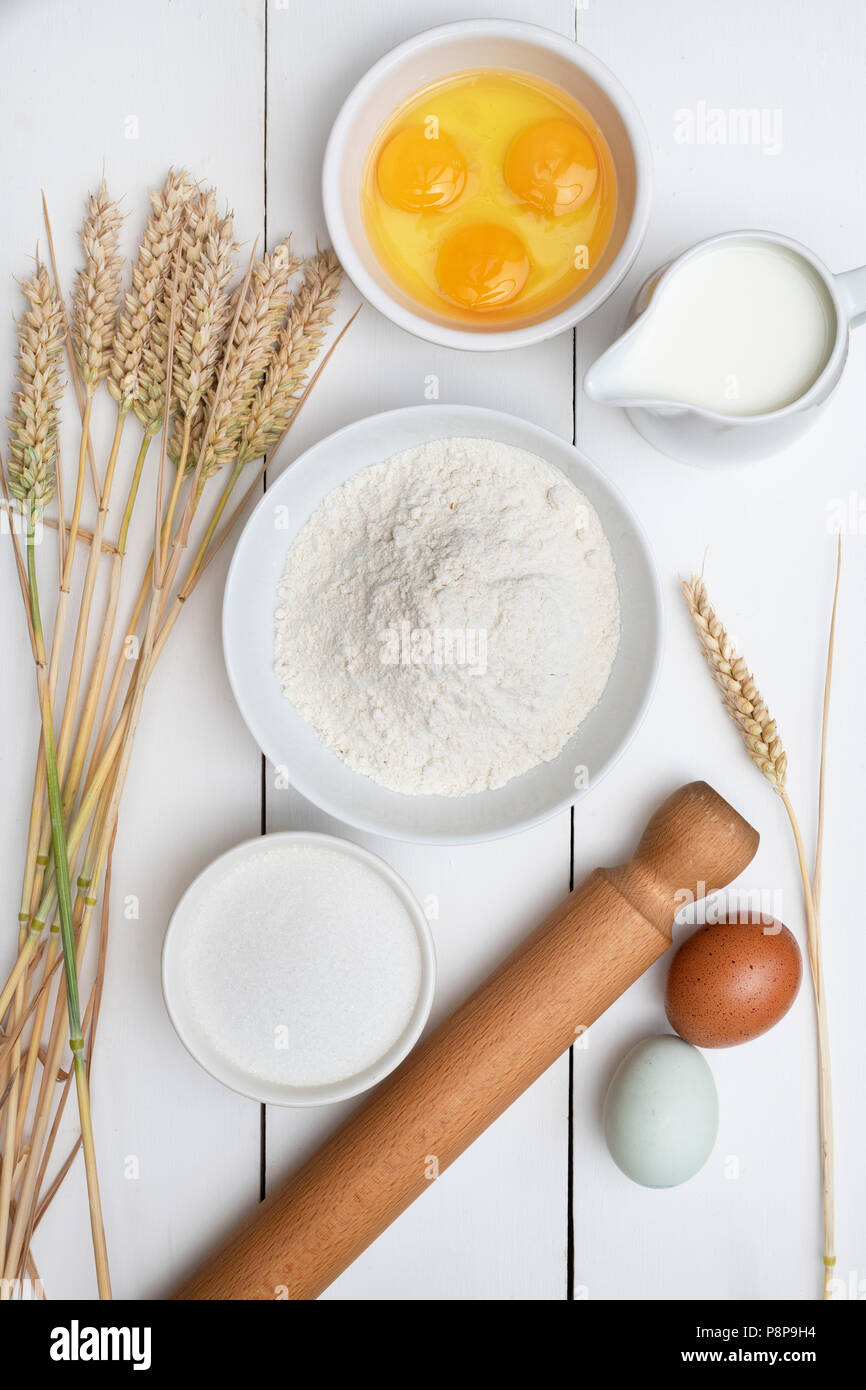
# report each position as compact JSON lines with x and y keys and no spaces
{"x":442,"y":52}
{"x":190,"y":1031}
{"x":293,"y":745}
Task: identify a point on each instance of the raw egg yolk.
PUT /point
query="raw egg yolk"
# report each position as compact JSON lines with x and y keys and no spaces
{"x":482,"y":266}
{"x":553,"y":166}
{"x":416,"y":173}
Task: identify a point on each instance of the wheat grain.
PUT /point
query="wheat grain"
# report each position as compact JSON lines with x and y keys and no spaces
{"x":276,"y":398}
{"x":97,"y":288}
{"x":32,"y":459}
{"x":740,"y":694}
{"x":129,"y":381}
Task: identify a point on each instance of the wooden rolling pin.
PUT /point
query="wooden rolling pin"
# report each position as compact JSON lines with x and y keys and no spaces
{"x":456,"y":1083}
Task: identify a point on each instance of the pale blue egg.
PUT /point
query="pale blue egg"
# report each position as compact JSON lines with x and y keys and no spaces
{"x":661,"y":1112}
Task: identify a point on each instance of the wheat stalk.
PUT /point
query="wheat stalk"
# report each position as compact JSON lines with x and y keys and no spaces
{"x":97,"y":288}
{"x":261,"y":315}
{"x":300,"y":338}
{"x":31,"y":479}
{"x":129,"y":382}
{"x":204,"y":303}
{"x":740,"y":694}
{"x":744,"y":704}
{"x":36,"y":400}
{"x":31,"y":465}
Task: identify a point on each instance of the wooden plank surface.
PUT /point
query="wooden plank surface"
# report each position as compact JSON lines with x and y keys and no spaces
{"x":749,"y":1225}
{"x":98,"y":83}
{"x":244,"y":94}
{"x":482,"y":1231}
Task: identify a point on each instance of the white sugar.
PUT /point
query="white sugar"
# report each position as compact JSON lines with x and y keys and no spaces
{"x":302,"y":965}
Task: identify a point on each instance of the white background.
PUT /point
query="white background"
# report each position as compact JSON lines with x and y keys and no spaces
{"x":243,"y":94}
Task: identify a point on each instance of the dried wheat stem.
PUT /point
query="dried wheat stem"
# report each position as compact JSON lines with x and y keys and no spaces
{"x":70,"y":792}
{"x":71,"y":965}
{"x":31,"y":479}
{"x":74,"y":374}
{"x":32,"y":468}
{"x":91,"y":1021}
{"x":92,"y":331}
{"x":825,"y":726}
{"x":94,"y":312}
{"x":73,"y":687}
{"x":746,"y":707}
{"x":85,"y":537}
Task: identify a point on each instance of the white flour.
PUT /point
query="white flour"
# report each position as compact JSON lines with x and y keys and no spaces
{"x":448,"y":618}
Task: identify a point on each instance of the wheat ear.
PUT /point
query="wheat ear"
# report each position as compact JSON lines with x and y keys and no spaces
{"x":261,"y":316}
{"x":740,"y":694}
{"x":744,"y":704}
{"x":300,"y":338}
{"x":204,"y":304}
{"x":128,"y":381}
{"x":97,"y":288}
{"x":31,"y":465}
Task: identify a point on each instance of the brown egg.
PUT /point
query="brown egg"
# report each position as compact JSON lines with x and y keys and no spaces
{"x":732,"y":981}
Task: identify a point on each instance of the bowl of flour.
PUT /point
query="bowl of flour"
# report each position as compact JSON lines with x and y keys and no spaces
{"x":442,"y":624}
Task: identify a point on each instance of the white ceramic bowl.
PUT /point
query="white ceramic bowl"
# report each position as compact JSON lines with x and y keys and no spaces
{"x":190,"y":1031}
{"x":291,"y":744}
{"x":438,"y":53}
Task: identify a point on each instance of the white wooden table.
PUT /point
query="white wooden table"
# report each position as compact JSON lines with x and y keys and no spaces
{"x":243,"y":92}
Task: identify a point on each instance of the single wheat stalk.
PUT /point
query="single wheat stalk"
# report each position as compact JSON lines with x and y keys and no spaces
{"x":37,"y":400}
{"x":300,"y":338}
{"x":204,"y":313}
{"x":97,"y":288}
{"x":262,"y":313}
{"x":825,"y":727}
{"x":92,"y":325}
{"x":744,"y":704}
{"x":204,"y":303}
{"x":33,"y":424}
{"x":30,"y":479}
{"x":128,"y":382}
{"x":32,"y":473}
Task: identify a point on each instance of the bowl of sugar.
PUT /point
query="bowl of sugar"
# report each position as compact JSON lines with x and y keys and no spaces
{"x":298,"y":969}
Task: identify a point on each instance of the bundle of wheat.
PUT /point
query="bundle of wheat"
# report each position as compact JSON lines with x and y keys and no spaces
{"x":221,"y":373}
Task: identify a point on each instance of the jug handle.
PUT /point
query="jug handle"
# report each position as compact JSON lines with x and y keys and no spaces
{"x":851,"y":285}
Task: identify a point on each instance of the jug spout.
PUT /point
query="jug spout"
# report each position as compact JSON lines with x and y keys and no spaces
{"x":606,"y":380}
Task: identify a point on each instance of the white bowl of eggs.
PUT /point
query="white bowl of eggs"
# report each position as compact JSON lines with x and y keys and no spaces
{"x":487,"y":184}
